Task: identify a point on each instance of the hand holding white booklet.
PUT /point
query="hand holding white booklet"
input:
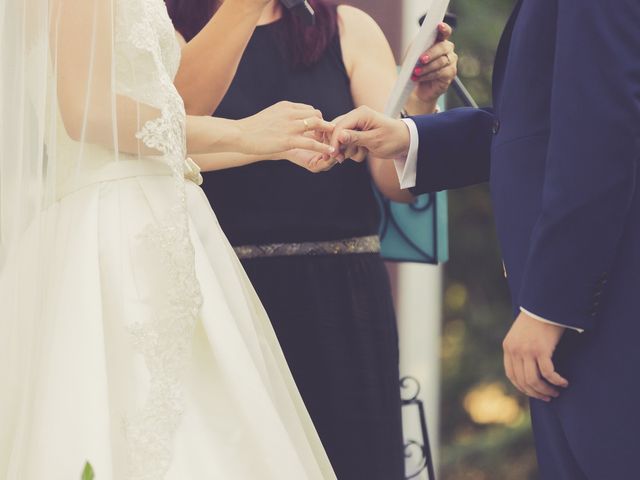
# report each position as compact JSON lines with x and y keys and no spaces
{"x":427,"y":36}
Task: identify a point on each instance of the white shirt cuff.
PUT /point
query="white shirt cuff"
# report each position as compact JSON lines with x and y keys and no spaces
{"x":544,"y":320}
{"x":407,"y":168}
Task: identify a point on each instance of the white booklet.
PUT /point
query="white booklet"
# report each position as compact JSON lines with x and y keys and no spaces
{"x":427,"y":36}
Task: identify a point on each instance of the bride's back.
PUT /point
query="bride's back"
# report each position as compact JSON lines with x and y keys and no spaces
{"x":145,"y":57}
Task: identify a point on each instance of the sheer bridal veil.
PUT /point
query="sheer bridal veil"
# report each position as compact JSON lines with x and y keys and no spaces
{"x":99,"y":298}
{"x":87,"y":95}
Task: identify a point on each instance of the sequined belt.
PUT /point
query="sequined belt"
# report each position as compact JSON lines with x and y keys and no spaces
{"x":346,"y":246}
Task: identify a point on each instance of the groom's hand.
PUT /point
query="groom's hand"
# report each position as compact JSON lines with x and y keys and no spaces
{"x":364,"y":128}
{"x":528,"y":352}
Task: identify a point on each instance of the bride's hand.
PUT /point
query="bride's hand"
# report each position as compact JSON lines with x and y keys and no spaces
{"x":311,"y":161}
{"x":283,"y":127}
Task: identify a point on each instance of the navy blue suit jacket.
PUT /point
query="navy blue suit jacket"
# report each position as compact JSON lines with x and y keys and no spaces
{"x":562,"y":145}
{"x":561,"y":148}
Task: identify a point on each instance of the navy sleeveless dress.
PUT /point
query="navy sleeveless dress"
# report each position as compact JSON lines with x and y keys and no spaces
{"x":333,"y":314}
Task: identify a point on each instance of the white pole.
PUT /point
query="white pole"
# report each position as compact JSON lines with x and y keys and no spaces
{"x":419,"y":309}
{"x":419,"y":318}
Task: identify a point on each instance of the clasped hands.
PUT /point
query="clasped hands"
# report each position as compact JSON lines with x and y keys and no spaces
{"x":364,"y":131}
{"x":354,"y":136}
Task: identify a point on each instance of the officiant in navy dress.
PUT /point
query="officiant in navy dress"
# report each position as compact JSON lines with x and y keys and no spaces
{"x":561,"y":149}
{"x":309,"y":242}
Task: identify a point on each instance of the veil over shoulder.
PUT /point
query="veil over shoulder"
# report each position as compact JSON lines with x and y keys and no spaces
{"x":129,"y":334}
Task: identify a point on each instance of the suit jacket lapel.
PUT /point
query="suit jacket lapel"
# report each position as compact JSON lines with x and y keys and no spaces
{"x":502,"y":54}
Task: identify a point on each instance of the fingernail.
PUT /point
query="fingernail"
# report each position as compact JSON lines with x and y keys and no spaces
{"x":425,"y":59}
{"x":417,"y":71}
{"x":332,"y":149}
{"x":414,"y":78}
{"x":442,"y":26}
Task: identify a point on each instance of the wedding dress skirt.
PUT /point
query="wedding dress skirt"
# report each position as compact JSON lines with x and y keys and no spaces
{"x":90,"y":395}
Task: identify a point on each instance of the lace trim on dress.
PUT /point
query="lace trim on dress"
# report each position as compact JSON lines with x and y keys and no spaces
{"x":164,"y":341}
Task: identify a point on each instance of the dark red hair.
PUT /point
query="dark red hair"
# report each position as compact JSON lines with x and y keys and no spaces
{"x":306,"y":43}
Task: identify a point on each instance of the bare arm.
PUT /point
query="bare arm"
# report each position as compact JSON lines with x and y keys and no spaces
{"x":368,"y":56}
{"x":285,"y":130}
{"x":210,"y":162}
{"x":82,"y":39}
{"x":220,"y":161}
{"x":210,"y":60}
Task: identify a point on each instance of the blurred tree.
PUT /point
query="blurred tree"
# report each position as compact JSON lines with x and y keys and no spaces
{"x":485,"y":424}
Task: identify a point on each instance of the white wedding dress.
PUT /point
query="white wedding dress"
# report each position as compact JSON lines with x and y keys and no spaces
{"x":130,"y":336}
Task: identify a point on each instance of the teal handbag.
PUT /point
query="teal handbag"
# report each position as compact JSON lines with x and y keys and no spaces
{"x":417,"y":232}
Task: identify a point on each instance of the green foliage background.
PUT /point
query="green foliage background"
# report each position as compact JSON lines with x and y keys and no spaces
{"x":477,"y":305}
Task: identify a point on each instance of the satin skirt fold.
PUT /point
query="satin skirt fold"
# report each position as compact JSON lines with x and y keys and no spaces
{"x":73,"y":378}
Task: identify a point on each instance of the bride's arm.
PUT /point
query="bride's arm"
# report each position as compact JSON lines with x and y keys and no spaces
{"x":220,"y":161}
{"x":210,"y":162}
{"x":282,"y":127}
{"x":82,"y":40}
{"x":210,"y":60}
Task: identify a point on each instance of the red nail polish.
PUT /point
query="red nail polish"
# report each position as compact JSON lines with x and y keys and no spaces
{"x":417,"y":71}
{"x":425,"y":59}
{"x":414,"y":78}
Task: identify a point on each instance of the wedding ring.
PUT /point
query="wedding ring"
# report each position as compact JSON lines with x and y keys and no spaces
{"x":448,"y":59}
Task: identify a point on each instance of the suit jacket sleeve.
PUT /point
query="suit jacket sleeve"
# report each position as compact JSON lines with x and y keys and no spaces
{"x":591,"y":163}
{"x":454,"y":149}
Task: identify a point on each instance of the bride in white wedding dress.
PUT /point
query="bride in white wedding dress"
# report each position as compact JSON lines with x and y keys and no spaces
{"x":129,"y":335}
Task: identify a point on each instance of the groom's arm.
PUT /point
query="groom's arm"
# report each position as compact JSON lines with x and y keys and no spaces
{"x":592,"y":160}
{"x":448,"y":150}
